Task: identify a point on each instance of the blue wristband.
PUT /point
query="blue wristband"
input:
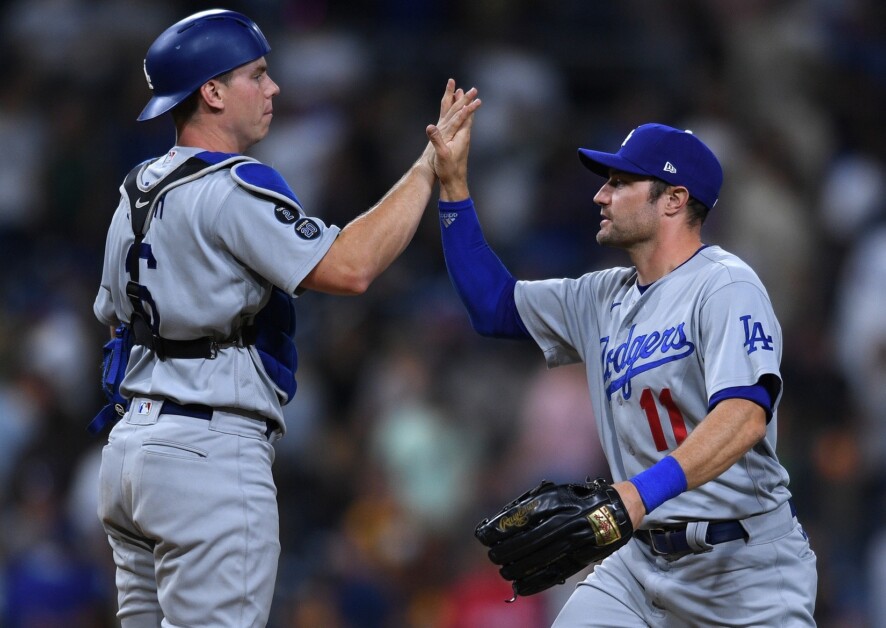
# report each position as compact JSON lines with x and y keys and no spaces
{"x":660,"y":482}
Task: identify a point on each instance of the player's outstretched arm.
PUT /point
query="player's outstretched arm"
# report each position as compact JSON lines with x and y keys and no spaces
{"x":482,"y":282}
{"x":369,"y":244}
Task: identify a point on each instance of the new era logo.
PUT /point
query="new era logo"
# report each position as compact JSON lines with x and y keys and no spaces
{"x":669,"y":167}
{"x":448,"y":218}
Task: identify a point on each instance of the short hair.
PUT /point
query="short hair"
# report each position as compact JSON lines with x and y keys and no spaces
{"x":696,"y":211}
{"x":183,"y":111}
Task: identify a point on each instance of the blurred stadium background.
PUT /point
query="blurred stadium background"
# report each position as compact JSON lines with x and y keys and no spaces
{"x":407,"y":427}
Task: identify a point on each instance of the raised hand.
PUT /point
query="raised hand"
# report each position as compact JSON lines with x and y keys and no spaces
{"x":450,"y":139}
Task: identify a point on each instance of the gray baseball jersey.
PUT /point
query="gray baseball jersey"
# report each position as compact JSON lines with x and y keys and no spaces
{"x":654,"y":360}
{"x":215,"y":247}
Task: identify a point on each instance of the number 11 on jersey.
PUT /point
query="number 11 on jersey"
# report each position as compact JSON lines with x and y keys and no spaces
{"x":649,"y":406}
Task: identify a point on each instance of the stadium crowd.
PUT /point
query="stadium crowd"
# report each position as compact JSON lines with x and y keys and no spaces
{"x":407,"y":427}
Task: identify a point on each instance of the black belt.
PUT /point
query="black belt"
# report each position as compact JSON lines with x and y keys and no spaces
{"x":672,"y":540}
{"x":199,"y":411}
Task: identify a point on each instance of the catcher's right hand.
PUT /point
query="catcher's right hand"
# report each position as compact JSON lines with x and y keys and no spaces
{"x":554,"y":531}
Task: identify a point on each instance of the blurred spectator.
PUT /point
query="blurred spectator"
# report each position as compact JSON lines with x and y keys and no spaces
{"x":476,"y":599}
{"x":24,"y":136}
{"x":326,"y":72}
{"x":47,"y":580}
{"x":853,"y":196}
{"x":20,"y":422}
{"x":860,"y":338}
{"x":557,"y":437}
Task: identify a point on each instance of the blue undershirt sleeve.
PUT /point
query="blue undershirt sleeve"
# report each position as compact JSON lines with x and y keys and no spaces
{"x":758,"y":393}
{"x":482,"y":282}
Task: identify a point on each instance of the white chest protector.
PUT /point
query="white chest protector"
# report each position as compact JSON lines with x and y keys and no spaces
{"x":203,"y":256}
{"x":142,"y":206}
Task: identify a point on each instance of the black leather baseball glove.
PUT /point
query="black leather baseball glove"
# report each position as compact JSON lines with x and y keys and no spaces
{"x":554,"y":531}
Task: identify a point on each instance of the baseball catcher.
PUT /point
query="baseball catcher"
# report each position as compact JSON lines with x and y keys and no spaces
{"x":554,"y":531}
{"x":206,"y":252}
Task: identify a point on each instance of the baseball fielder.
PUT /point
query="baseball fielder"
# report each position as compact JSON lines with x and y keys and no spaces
{"x":204,"y":255}
{"x":682,"y":354}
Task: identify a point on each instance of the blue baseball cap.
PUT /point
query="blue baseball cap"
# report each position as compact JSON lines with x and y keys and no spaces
{"x":656,"y":150}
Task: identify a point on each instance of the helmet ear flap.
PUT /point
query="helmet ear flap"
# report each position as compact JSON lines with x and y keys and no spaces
{"x":195,"y":50}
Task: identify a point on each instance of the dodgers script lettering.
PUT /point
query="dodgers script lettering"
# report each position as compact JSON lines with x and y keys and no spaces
{"x":642,"y":353}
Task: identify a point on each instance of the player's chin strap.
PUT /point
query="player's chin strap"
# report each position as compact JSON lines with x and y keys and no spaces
{"x":145,"y":328}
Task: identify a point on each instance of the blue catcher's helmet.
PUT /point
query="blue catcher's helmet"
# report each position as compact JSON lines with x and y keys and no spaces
{"x":196,"y":49}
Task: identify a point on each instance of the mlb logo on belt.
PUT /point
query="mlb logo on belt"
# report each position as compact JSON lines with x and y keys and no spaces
{"x":144,"y":407}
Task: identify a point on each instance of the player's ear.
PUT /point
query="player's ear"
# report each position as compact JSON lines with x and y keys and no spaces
{"x":676,"y":198}
{"x":212,"y":93}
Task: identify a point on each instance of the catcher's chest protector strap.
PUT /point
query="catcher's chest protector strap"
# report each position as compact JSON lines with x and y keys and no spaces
{"x":142,"y":207}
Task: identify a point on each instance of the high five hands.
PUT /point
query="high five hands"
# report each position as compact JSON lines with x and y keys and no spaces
{"x":450,"y":139}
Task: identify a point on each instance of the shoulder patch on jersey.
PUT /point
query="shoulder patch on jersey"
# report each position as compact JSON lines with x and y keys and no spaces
{"x":263,"y":179}
{"x":285,"y":214}
{"x":307,"y":229}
